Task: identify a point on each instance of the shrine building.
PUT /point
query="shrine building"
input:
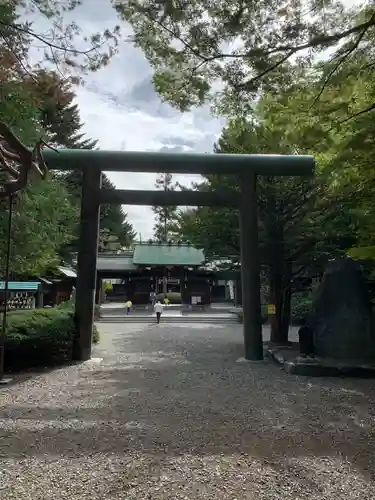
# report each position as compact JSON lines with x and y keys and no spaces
{"x":163,"y":268}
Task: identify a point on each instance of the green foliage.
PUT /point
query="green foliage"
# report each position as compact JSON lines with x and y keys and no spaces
{"x":249,"y":47}
{"x":108,"y":287}
{"x":43,"y":220}
{"x":173,"y":297}
{"x":301,"y":307}
{"x":41,"y":337}
{"x":302,"y":222}
{"x":69,"y":305}
{"x":18,"y":111}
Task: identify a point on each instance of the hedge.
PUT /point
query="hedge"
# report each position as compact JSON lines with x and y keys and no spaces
{"x":300,"y":307}
{"x":40,"y":337}
{"x":173,"y":297}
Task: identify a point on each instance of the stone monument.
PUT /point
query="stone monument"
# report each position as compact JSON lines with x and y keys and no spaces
{"x":342,"y":318}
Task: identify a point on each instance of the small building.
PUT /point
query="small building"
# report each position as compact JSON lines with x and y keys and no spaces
{"x":162,"y":268}
{"x":58,"y":288}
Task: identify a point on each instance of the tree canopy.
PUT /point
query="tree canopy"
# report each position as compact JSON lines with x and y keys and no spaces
{"x":229,"y":51}
{"x":63,"y":44}
{"x":302,"y":223}
{"x":39,"y":103}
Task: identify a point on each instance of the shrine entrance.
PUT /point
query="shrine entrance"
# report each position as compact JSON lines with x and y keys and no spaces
{"x":246,"y":167}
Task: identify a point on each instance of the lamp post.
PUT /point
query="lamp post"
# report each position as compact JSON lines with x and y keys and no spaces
{"x":16,"y":163}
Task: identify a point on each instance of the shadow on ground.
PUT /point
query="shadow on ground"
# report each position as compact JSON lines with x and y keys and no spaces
{"x":171,"y":392}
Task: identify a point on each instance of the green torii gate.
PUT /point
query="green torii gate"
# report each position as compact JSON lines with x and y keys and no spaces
{"x":246,"y":167}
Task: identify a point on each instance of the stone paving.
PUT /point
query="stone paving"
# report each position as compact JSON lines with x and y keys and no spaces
{"x":172,"y":412}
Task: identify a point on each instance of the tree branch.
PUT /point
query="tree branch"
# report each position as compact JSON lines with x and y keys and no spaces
{"x":342,"y":60}
{"x":265,"y":72}
{"x":322,"y":40}
{"x":355,"y":115}
{"x":19,"y":60}
{"x":61,"y":48}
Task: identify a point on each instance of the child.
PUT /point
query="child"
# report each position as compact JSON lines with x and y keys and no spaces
{"x":166,"y":301}
{"x":158,"y":308}
{"x":128,"y":306}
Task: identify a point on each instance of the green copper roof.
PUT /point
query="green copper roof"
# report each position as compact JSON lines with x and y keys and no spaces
{"x":167,"y":255}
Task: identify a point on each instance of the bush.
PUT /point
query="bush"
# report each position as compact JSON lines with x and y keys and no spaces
{"x":69,"y":305}
{"x":40,"y":337}
{"x":301,"y":306}
{"x":173,"y":297}
{"x":108,"y":287}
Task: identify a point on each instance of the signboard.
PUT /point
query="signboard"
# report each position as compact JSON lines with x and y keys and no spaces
{"x":271,"y":309}
{"x":231,"y":289}
{"x":171,"y":281}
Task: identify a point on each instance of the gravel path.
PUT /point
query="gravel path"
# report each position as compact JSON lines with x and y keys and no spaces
{"x":171,"y":413}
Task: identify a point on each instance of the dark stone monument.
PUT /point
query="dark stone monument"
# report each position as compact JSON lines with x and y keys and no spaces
{"x":342,"y":319}
{"x":306,"y":341}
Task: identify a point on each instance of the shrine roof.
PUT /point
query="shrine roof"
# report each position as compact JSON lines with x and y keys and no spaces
{"x":113,"y":262}
{"x":164,"y":254}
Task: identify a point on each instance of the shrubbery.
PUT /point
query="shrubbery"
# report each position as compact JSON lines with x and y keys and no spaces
{"x":173,"y":297}
{"x":69,"y":305}
{"x":40,"y":337}
{"x":301,"y":306}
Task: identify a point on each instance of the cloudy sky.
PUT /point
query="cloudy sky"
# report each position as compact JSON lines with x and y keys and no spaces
{"x":119,"y":107}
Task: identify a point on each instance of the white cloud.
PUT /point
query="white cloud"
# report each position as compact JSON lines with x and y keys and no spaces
{"x":120,"y":109}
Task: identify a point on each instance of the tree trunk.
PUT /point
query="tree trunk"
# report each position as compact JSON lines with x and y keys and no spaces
{"x":276,"y":294}
{"x":286,"y":313}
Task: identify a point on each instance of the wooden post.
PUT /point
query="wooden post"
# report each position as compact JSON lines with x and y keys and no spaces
{"x":98,"y":289}
{"x":86,"y":266}
{"x":250,"y":275}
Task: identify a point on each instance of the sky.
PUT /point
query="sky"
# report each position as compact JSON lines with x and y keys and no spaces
{"x":119,"y":108}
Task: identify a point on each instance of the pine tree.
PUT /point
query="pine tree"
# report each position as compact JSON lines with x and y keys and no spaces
{"x":61,"y":118}
{"x":165,"y":226}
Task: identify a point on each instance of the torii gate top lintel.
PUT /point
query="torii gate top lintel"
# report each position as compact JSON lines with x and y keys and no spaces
{"x":179,"y":163}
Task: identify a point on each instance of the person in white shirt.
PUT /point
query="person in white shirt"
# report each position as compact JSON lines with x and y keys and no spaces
{"x":158,"y":308}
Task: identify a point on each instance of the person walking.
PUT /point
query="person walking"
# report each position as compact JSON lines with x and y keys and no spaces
{"x":158,"y":308}
{"x":152,"y":299}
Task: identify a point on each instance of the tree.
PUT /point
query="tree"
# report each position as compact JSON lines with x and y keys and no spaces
{"x":61,"y":119}
{"x":44,"y":219}
{"x":166,"y":217}
{"x":301,"y":223}
{"x":248,"y":46}
{"x":43,"y":214}
{"x":60,"y":41}
{"x":16,"y":101}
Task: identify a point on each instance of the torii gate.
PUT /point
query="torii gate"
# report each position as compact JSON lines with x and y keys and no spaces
{"x":246,"y":167}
